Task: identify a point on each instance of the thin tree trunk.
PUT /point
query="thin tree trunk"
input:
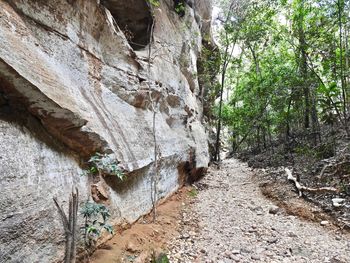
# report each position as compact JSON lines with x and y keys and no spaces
{"x":218,"y":129}
{"x":339,"y":115}
{"x":340,"y":24}
{"x":155,"y":175}
{"x":70,"y":225}
{"x":287,"y":119}
{"x":316,"y":135}
{"x":227,"y":59}
{"x":303,"y":73}
{"x":347,"y":71}
{"x":303,"y":65}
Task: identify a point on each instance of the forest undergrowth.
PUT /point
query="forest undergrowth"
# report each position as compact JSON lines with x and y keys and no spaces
{"x":324,"y":165}
{"x":284,"y":95}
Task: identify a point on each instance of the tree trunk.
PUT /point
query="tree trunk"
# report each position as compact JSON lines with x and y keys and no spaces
{"x":70,"y":226}
{"x":303,"y":65}
{"x":218,"y":128}
{"x":342,"y":79}
{"x":303,"y":73}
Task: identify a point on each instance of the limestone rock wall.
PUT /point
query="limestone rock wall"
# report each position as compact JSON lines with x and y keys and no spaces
{"x":76,"y":78}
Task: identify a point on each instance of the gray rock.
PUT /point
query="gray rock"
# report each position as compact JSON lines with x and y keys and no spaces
{"x":324,"y":223}
{"x":272,"y":240}
{"x":274,"y":210}
{"x":235,"y":258}
{"x":80,"y":88}
{"x":245,"y":251}
{"x":255,"y":257}
{"x":185,"y":236}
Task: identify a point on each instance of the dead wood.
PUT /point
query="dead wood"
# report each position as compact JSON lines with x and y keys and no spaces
{"x":302,"y":188}
{"x":70,"y":225}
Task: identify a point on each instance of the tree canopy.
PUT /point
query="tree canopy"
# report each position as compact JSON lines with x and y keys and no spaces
{"x":284,"y":70}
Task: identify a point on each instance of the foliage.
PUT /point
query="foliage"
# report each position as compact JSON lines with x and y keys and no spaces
{"x":162,"y":258}
{"x":154,"y":3}
{"x":208,"y":68}
{"x":96,"y":217}
{"x":289,"y":73}
{"x":193,"y":192}
{"x":180,"y":8}
{"x":104,"y":164}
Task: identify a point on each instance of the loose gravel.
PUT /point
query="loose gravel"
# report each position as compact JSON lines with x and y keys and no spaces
{"x":231,"y":221}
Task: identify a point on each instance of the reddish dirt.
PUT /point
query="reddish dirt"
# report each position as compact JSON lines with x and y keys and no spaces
{"x":282,"y":195}
{"x":144,"y":238}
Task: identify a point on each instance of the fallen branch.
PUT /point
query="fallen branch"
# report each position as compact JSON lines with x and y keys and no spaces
{"x":302,"y":188}
{"x":333,"y":165}
{"x":324,"y":169}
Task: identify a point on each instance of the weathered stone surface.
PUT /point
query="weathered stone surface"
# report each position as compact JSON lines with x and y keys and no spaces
{"x":70,"y":85}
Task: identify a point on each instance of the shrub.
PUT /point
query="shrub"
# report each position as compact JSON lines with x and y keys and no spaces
{"x":104,"y":164}
{"x":96,"y":217}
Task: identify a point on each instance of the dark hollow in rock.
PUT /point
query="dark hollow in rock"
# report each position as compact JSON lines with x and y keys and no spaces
{"x":134,"y":18}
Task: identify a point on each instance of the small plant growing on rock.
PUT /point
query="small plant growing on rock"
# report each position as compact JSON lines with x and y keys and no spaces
{"x":104,"y":164}
{"x":180,"y":9}
{"x":154,"y":3}
{"x":96,"y":217}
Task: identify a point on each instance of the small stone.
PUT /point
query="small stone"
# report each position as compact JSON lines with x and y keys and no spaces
{"x":272,"y":240}
{"x":227,"y":254}
{"x":274,"y":210}
{"x":255,"y":257}
{"x":192,"y":233}
{"x":291,"y":234}
{"x":338,"y":238}
{"x":338,"y":200}
{"x":324,"y":223}
{"x":185,"y":236}
{"x":177,"y":256}
{"x":235,"y":252}
{"x":131,"y":247}
{"x":235,"y":258}
{"x":245,"y":250}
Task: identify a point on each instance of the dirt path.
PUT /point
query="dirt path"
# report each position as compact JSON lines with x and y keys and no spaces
{"x":231,"y":221}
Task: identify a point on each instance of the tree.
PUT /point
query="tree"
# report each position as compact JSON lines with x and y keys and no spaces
{"x":291,"y":71}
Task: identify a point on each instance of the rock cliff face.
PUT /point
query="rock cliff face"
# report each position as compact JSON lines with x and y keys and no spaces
{"x":76,"y":78}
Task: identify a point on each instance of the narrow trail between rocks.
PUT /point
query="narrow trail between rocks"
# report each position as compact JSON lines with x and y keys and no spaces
{"x":231,"y":221}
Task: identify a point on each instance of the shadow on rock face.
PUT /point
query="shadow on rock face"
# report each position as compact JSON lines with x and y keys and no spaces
{"x":134,"y":18}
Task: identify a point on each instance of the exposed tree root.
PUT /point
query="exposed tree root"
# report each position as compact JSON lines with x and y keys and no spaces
{"x":302,"y":188}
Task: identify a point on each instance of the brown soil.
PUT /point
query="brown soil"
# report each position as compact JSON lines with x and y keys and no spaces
{"x":283,"y":196}
{"x":195,"y":229}
{"x":144,"y":238}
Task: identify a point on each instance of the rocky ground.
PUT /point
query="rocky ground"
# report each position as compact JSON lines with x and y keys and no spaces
{"x":230,"y":220}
